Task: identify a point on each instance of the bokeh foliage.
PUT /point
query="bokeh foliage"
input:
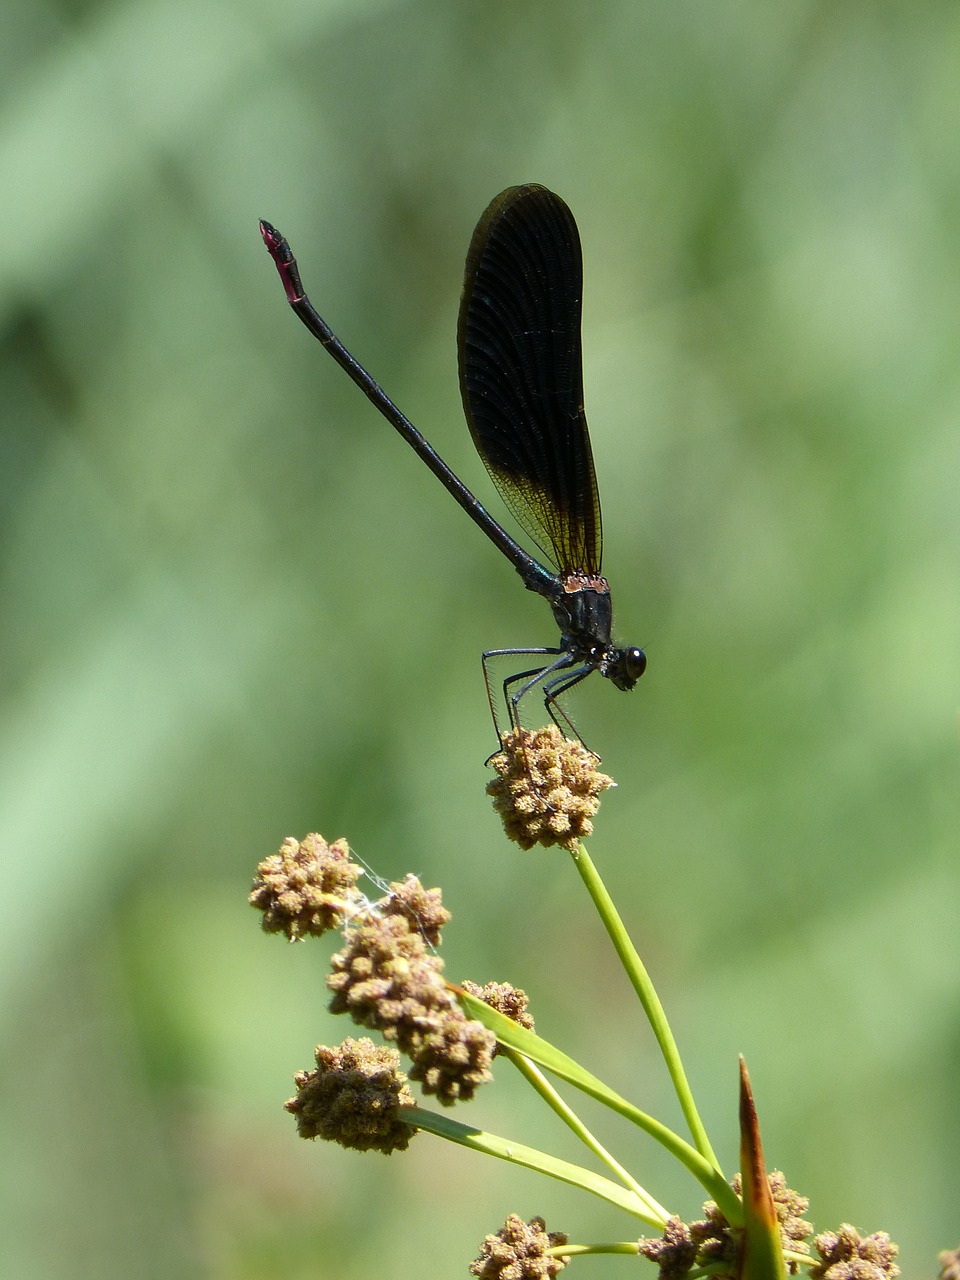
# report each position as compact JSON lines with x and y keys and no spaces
{"x":235,"y":607}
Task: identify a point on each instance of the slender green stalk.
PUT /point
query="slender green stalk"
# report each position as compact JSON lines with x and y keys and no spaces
{"x":560,"y":1064}
{"x":530,"y":1158}
{"x":792,"y":1257}
{"x":648,"y":999}
{"x":578,"y":1250}
{"x":573,"y":1122}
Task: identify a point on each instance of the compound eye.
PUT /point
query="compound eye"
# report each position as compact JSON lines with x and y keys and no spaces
{"x":635,"y":662}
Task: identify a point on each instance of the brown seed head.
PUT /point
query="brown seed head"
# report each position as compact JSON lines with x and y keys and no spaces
{"x":453,"y":1061}
{"x":719,"y":1244}
{"x":508,"y":1000}
{"x":519,"y":1252}
{"x":548,"y":788}
{"x":790,"y":1207}
{"x":307,"y":887}
{"x":386,"y":979}
{"x":421,"y":906}
{"x":674,"y":1252}
{"x":846,"y":1255}
{"x":353,"y":1098}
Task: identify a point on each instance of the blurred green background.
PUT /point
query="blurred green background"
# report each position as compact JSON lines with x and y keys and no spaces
{"x":235,"y":606}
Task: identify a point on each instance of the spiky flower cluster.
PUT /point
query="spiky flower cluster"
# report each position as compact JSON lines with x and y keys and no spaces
{"x":790,"y":1207}
{"x":674,"y":1252}
{"x":422,"y":907}
{"x":548,"y":788}
{"x":454,"y":1060}
{"x":717,"y":1243}
{"x":506,"y":999}
{"x":387,"y":980}
{"x":307,"y":887}
{"x":711,"y":1242}
{"x":353,"y":1097}
{"x":846,"y":1255}
{"x":519,"y":1251}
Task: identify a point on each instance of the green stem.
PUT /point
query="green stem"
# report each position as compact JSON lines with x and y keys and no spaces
{"x":573,"y":1122}
{"x":578,"y":1250}
{"x":529,"y":1158}
{"x":648,"y":999}
{"x":800,"y":1259}
{"x":560,"y":1064}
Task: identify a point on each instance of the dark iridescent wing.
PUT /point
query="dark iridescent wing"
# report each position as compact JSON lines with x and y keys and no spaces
{"x":521,"y":375}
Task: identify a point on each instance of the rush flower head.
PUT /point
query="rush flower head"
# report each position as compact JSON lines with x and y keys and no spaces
{"x":711,"y":1244}
{"x":453,"y":1061}
{"x":508,"y":1000}
{"x":307,"y":887}
{"x":548,"y":788}
{"x":846,"y":1255}
{"x":519,"y":1251}
{"x":421,"y":906}
{"x":674,"y":1252}
{"x":353,"y":1097}
{"x":387,"y":980}
{"x":790,"y":1207}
